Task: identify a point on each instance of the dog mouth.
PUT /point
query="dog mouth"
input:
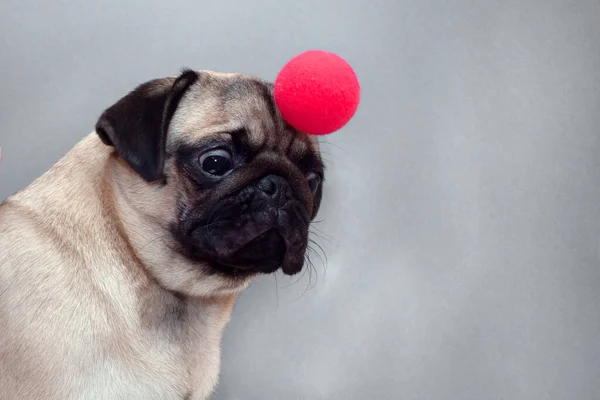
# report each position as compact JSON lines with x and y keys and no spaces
{"x":263,"y":254}
{"x":249,"y":249}
{"x":272,"y":249}
{"x":267,"y":249}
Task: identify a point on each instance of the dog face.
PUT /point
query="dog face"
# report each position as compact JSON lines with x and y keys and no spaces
{"x":242,"y":185}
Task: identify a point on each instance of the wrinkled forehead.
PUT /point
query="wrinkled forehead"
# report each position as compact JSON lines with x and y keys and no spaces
{"x":227,"y":104}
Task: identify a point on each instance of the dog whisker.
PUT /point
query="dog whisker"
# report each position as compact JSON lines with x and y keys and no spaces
{"x":297,"y":279}
{"x":276,"y":290}
{"x":321,"y":237}
{"x":321,"y":233}
{"x":154,"y":240}
{"x":323,"y":259}
{"x":310,"y":267}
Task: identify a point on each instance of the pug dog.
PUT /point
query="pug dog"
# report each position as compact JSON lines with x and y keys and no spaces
{"x":119,"y":267}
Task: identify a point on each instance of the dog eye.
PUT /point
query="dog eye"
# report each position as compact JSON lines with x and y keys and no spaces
{"x":216,"y":162}
{"x":314,"y":181}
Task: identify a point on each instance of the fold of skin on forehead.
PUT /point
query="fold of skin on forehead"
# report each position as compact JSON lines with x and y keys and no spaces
{"x":227,"y":102}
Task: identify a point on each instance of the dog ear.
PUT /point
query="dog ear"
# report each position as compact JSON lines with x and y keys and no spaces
{"x":137,"y":124}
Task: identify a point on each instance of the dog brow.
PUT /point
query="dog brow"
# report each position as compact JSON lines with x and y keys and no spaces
{"x":242,"y":144}
{"x":266,"y":92}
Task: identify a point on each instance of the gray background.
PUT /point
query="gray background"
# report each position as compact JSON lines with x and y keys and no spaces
{"x":462,"y":215}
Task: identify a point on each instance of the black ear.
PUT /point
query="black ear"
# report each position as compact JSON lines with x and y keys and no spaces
{"x":137,"y":124}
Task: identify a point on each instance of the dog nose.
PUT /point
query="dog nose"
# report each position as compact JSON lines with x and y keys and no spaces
{"x":276,"y":187}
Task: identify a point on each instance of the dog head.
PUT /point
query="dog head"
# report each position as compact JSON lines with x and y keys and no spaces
{"x":237,"y":187}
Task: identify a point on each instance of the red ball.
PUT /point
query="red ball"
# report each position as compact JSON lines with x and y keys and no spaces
{"x":317,"y":92}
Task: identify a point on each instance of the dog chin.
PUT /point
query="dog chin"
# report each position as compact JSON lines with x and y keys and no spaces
{"x":265,"y":253}
{"x":241,"y":251}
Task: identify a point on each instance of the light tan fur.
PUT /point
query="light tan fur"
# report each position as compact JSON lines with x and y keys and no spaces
{"x":58,"y":258}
